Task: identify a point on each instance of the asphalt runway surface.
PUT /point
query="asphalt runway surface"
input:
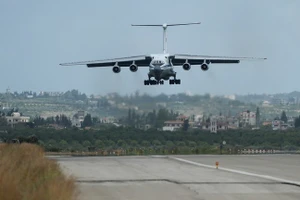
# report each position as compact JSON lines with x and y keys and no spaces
{"x":187,"y":177}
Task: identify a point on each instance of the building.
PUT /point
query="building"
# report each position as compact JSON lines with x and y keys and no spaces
{"x":161,"y":104}
{"x":108,"y":120}
{"x":279,"y":125}
{"x":16,"y":118}
{"x":267,"y":123}
{"x":78,"y":119}
{"x":231,"y":97}
{"x":173,"y":125}
{"x":216,"y":123}
{"x":291,"y":122}
{"x":233,"y":122}
{"x":266,"y":103}
{"x":247,"y":118}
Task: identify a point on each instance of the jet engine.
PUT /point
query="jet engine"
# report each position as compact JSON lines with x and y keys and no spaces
{"x":186,"y":66}
{"x":116,"y":69}
{"x":204,"y":67}
{"x":133,"y":68}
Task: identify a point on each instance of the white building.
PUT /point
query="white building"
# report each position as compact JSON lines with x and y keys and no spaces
{"x":172,"y":125}
{"x":108,"y":120}
{"x":279,"y":125}
{"x":16,"y":118}
{"x":217,"y":123}
{"x":231,"y":97}
{"x":266,"y":103}
{"x":175,"y":124}
{"x":78,"y":119}
{"x":247,"y":118}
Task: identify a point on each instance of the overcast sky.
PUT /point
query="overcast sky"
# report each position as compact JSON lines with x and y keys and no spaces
{"x":37,"y":35}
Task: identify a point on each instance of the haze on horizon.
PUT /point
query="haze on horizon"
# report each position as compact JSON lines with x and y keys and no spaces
{"x":38,"y":35}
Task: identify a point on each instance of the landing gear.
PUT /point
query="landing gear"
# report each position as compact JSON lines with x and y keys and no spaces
{"x":174,"y":81}
{"x":153,"y":82}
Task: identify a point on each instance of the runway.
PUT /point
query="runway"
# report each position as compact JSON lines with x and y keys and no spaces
{"x":186,"y":177}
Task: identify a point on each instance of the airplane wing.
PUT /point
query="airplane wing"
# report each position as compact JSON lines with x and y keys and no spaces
{"x":180,"y":59}
{"x":141,"y":61}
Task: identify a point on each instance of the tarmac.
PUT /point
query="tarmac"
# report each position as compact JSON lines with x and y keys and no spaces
{"x":187,"y":177}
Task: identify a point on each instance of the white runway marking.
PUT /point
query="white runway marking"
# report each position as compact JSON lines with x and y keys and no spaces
{"x":237,"y":171}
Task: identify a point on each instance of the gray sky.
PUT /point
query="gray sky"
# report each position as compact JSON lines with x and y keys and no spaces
{"x":36,"y":36}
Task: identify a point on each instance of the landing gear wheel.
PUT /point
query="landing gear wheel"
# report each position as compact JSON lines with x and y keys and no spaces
{"x":161,"y":82}
{"x":174,"y":81}
{"x":177,"y":81}
{"x":153,"y":82}
{"x":146,"y":82}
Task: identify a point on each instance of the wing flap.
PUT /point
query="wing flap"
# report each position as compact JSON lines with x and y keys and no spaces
{"x":180,"y":59}
{"x":123,"y":62}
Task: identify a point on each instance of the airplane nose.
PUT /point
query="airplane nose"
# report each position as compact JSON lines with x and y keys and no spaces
{"x":157,"y":71}
{"x":157,"y":68}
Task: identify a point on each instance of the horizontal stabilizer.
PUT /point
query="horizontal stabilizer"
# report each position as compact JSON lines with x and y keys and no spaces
{"x":165,"y":25}
{"x":184,"y":24}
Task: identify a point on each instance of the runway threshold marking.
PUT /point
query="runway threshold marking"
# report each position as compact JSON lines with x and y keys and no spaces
{"x":284,"y":181}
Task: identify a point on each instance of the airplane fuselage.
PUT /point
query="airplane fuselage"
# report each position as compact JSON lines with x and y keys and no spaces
{"x":160,"y":67}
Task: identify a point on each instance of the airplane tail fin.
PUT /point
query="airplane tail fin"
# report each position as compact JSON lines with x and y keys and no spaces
{"x":164,"y":26}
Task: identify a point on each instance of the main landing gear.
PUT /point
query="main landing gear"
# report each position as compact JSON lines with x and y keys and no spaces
{"x":161,"y":82}
{"x":153,"y":82}
{"x":174,"y":81}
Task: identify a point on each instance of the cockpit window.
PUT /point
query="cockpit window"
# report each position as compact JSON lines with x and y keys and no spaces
{"x":158,"y":63}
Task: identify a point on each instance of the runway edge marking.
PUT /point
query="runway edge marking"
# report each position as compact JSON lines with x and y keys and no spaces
{"x":284,"y":181}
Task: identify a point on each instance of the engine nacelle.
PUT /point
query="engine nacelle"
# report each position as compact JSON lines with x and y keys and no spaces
{"x":186,"y":66}
{"x":116,"y":69}
{"x":133,"y":68}
{"x":204,"y":67}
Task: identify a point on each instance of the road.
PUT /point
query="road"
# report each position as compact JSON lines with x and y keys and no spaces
{"x":185,"y":177}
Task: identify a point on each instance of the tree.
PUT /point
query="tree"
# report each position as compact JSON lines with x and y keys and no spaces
{"x":57,"y":119}
{"x":129,"y":118}
{"x":99,"y":143}
{"x":283,"y":116}
{"x":297,"y":122}
{"x":208,"y":120}
{"x":121,"y":143}
{"x":162,"y":116}
{"x":156,"y":143}
{"x":86,"y":143}
{"x":95,"y":120}
{"x":3,"y":121}
{"x":257,"y":116}
{"x":145,"y":143}
{"x":87,"y":121}
{"x":169,"y":143}
{"x":65,"y":121}
{"x":63,"y":144}
{"x":186,"y":124}
{"x":134,"y":143}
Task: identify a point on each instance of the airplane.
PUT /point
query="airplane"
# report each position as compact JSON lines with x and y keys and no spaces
{"x":161,"y":66}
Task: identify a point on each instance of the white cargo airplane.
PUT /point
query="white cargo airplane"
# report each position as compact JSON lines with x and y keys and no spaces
{"x":161,"y":66}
